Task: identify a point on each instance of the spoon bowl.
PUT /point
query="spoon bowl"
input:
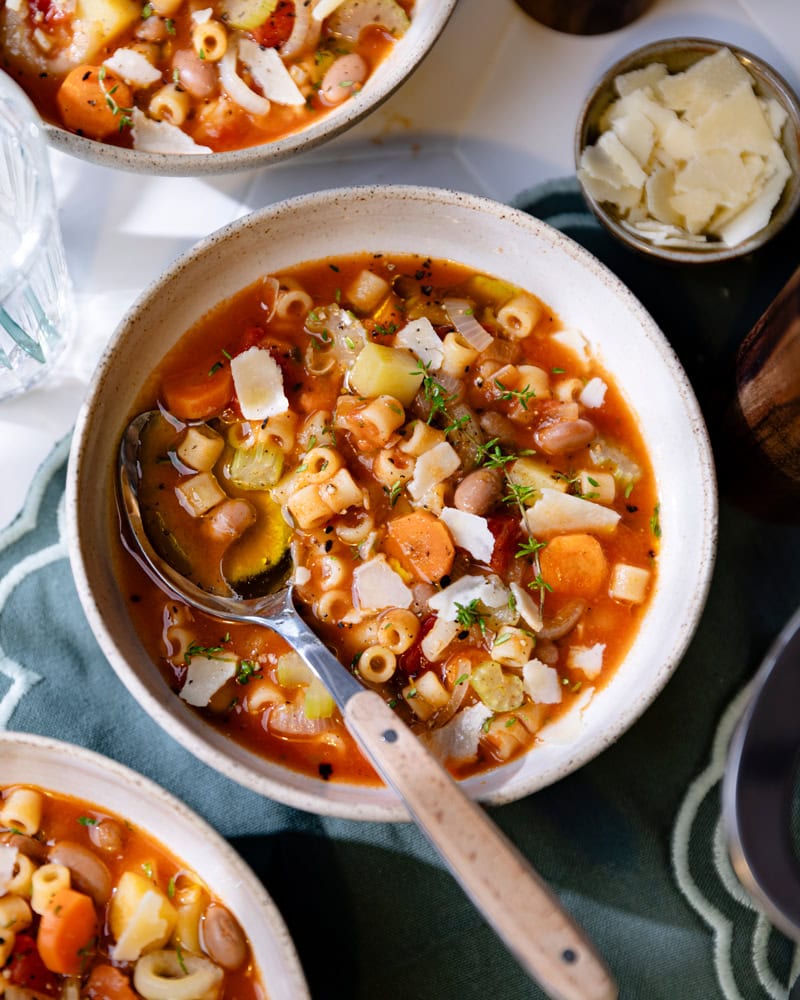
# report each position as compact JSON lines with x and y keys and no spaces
{"x":512,"y":898}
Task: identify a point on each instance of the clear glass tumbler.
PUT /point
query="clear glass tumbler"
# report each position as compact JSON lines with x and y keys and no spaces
{"x":37,"y":313}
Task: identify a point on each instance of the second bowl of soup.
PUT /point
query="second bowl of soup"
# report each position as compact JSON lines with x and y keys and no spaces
{"x":446,"y":421}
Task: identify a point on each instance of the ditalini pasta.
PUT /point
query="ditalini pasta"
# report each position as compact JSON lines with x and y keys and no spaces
{"x":457,"y":487}
{"x":91,"y":906}
{"x":195,"y":76}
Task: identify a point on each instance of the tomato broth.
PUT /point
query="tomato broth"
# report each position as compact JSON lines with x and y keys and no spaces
{"x":463,"y":493}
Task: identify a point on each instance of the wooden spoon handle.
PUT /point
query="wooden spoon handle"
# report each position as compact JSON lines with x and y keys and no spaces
{"x":514,"y":900}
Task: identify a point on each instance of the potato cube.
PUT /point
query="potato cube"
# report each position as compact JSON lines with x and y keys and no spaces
{"x":598,"y":486}
{"x":98,"y":22}
{"x":200,"y":448}
{"x":199,"y":494}
{"x":386,"y":371}
{"x":628,"y":583}
{"x":367,"y":291}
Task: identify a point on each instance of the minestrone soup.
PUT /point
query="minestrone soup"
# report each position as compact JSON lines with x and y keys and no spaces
{"x":195,"y":76}
{"x":93,"y":907}
{"x":458,"y":488}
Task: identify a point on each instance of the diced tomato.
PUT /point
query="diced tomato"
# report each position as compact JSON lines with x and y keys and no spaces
{"x":412,"y":661}
{"x":48,"y":11}
{"x":25,"y":968}
{"x":507,"y":536}
{"x":277,"y":27}
{"x":108,"y":983}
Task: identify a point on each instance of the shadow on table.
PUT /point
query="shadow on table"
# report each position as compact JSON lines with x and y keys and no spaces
{"x":372,"y":922}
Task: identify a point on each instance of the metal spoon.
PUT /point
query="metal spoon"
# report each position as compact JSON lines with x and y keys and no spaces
{"x":758,"y":785}
{"x":513,"y":899}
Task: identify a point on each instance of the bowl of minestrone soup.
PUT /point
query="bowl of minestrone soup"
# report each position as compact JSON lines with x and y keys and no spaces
{"x":465,"y":441}
{"x":173,"y":87}
{"x":109,"y":886}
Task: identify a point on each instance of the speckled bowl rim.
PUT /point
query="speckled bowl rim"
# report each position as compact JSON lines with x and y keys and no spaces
{"x":758,"y":67}
{"x":388,"y":77}
{"x":105,"y":772}
{"x":699,"y":562}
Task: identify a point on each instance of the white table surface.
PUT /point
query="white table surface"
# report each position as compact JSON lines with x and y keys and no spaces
{"x":491,"y":111}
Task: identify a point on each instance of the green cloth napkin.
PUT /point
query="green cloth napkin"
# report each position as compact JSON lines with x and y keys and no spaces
{"x":631,"y":843}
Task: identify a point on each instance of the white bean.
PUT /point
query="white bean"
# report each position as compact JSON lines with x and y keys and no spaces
{"x":343,"y":78}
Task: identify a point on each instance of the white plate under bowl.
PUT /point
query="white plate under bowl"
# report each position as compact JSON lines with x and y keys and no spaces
{"x":428,"y":20}
{"x":66,"y":769}
{"x":489,"y":237}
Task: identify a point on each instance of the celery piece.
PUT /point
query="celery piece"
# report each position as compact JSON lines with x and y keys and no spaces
{"x":318,"y":703}
{"x":498,"y":690}
{"x":489,"y":291}
{"x":292,"y":670}
{"x":351,"y":17}
{"x":386,"y":371}
{"x":257,"y":467}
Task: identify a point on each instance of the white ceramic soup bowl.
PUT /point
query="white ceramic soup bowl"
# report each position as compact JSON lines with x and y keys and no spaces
{"x":66,"y":769}
{"x":428,"y":20}
{"x":489,"y":237}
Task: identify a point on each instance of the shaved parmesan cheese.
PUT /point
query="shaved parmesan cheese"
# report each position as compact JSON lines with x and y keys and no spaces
{"x":202,"y":16}
{"x":636,"y":133}
{"x":146,"y":925}
{"x":133,"y":67}
{"x":470,"y":532}
{"x":205,"y":676}
{"x":708,"y":148}
{"x":541,"y":683}
{"x":638,"y":79}
{"x":574,"y":341}
{"x":258,"y":381}
{"x":622,"y":159}
{"x":486,"y":590}
{"x":757,"y":214}
{"x":528,"y":610}
{"x":556,"y":512}
{"x":594,"y":393}
{"x":376,"y":586}
{"x":458,"y":739}
{"x":421,"y":339}
{"x":8,"y":859}
{"x":151,"y":136}
{"x":270,"y":73}
{"x":704,"y":84}
{"x":589,"y":659}
{"x":432,"y":467}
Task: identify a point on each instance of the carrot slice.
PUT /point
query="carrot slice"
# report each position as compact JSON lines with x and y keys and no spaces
{"x":574,"y":564}
{"x":93,"y":104}
{"x":67,"y":932}
{"x":422,"y":545}
{"x":108,"y":983}
{"x":198,"y":394}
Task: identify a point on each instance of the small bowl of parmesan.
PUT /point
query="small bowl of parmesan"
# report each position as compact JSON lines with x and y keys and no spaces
{"x":689,"y":150}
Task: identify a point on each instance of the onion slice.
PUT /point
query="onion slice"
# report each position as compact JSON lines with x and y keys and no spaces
{"x":305,"y":31}
{"x":236,"y":88}
{"x":563,"y":620}
{"x":460,"y":313}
